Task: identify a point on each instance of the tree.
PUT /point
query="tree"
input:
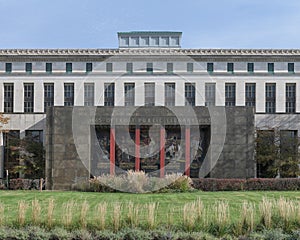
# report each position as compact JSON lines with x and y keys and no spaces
{"x":277,"y":153}
{"x":3,"y":121}
{"x":31,"y":158}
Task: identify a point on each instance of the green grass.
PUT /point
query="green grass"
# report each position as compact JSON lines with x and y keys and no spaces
{"x":166,"y":201}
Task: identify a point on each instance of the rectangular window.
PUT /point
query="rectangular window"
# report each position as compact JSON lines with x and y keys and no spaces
{"x":230,"y":67}
{"x":109,"y":94}
{"x":8,"y":67}
{"x":149,"y":68}
{"x":266,"y":142}
{"x":210,"y":94}
{"x":48,"y":67}
{"x":190,"y":94}
{"x":250,"y":67}
{"x":288,"y":145}
{"x":250,"y":94}
{"x":8,"y":97}
{"x":28,"y":97}
{"x":190,"y":67}
{"x":270,"y":67}
{"x":169,"y":94}
{"x":48,"y":95}
{"x":129,"y":93}
{"x":69,"y":67}
{"x":89,"y":94}
{"x":291,"y":67}
{"x":34,"y":135}
{"x":11,"y":153}
{"x":109,"y":67}
{"x":270,"y":97}
{"x":149,"y":94}
{"x":69,"y":94}
{"x":290,"y":100}
{"x":89,"y":67}
{"x":28,"y":67}
{"x":129,"y":68}
{"x":210,"y":67}
{"x":169,"y":68}
{"x":230,"y":94}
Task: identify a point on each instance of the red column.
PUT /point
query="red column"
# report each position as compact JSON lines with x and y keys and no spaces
{"x":187,"y":150}
{"x":112,"y":150}
{"x":137,"y":148}
{"x":162,"y":152}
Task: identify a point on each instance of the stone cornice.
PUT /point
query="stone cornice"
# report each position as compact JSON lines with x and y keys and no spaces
{"x":149,"y":51}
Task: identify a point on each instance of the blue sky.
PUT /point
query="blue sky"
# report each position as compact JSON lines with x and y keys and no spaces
{"x":94,"y":23}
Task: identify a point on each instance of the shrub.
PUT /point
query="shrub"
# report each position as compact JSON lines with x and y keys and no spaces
{"x":16,"y":184}
{"x":140,"y":182}
{"x":24,"y":184}
{"x":180,"y":183}
{"x":136,"y":181}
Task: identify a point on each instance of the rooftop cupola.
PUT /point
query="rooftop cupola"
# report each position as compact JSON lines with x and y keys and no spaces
{"x":146,"y":39}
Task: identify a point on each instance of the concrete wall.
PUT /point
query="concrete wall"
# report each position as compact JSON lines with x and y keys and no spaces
{"x":68,"y":147}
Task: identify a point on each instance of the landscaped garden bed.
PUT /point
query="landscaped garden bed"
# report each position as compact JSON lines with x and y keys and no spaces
{"x":203,"y":215}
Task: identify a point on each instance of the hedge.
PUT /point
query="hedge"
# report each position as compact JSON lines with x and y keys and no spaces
{"x":21,"y":184}
{"x":252,"y":184}
{"x":203,"y":184}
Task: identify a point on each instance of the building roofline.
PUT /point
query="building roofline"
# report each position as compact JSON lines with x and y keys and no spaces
{"x":149,"y":51}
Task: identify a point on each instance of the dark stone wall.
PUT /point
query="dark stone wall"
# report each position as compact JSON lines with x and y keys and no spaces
{"x":67,"y":159}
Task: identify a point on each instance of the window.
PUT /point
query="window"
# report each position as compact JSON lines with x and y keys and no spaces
{"x":270,"y":97}
{"x":210,"y":67}
{"x":28,"y":67}
{"x":265,"y":150}
{"x":270,"y":67}
{"x":230,"y":67}
{"x":129,"y":68}
{"x":169,"y":94}
{"x":190,"y":94}
{"x":210,"y":94}
{"x":144,"y":41}
{"x":8,"y":67}
{"x":169,"y":68}
{"x":288,"y":144}
{"x":109,"y":94}
{"x":149,"y":94}
{"x":250,"y":67}
{"x":69,"y":94}
{"x":8,"y":97}
{"x":129,"y":94}
{"x":89,"y":67}
{"x":11,"y":155}
{"x":109,"y":67}
{"x":135,"y":41}
{"x":190,"y":67}
{"x":124,"y":41}
{"x":48,"y":95}
{"x":291,"y":67}
{"x":28,"y":97}
{"x":34,"y":135}
{"x":154,"y":41}
{"x":89,"y":94}
{"x":68,"y":67}
{"x":149,"y":68}
{"x":229,"y":94}
{"x":290,"y":100}
{"x":48,"y":67}
{"x":164,"y":41}
{"x":250,"y":91}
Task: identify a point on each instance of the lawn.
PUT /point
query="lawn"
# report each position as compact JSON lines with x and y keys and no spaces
{"x":167,"y":203}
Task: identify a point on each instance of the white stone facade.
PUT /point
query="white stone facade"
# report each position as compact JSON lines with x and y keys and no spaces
{"x":159,"y":57}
